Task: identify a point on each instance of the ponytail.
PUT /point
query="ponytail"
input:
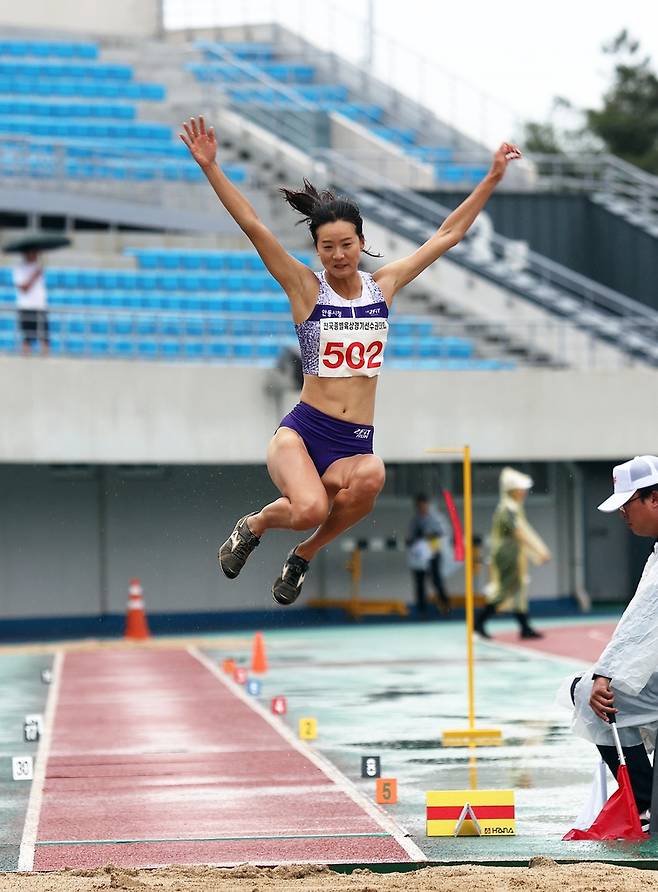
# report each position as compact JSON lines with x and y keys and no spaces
{"x":317,"y":208}
{"x":308,"y":200}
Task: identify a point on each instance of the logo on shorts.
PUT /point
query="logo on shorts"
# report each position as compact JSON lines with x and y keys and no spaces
{"x":362,"y":433}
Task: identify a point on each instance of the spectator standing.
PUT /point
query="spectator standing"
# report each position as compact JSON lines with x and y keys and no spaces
{"x":31,"y":302}
{"x":428,"y":534}
{"x":513,"y":543}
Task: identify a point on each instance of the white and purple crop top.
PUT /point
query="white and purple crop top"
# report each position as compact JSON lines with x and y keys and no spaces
{"x":342,"y":338}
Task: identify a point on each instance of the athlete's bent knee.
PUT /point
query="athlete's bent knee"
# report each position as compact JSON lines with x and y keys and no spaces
{"x":368,"y":482}
{"x":305,"y":515}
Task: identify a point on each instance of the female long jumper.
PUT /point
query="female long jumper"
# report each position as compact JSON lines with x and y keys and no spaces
{"x":321,"y":457}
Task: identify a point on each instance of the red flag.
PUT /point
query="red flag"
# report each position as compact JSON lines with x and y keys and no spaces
{"x":618,"y":819}
{"x":457,"y":535}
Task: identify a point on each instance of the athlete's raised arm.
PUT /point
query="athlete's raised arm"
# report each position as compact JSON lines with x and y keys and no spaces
{"x":296,"y":279}
{"x":394,"y":276}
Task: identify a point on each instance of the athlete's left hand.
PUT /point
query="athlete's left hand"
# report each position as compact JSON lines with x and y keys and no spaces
{"x":506,"y":153}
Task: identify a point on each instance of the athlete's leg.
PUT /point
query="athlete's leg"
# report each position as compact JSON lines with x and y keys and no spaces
{"x":351,"y":484}
{"x":354,"y":484}
{"x":304,"y":502}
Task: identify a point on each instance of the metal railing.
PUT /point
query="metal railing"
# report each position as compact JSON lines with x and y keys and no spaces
{"x":622,"y":187}
{"x":341,"y":31}
{"x":305,"y":125}
{"x":261,"y":339}
{"x":300,"y":122}
{"x":586,"y":303}
{"x":54,"y":164}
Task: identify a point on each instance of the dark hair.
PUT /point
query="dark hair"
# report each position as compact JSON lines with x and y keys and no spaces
{"x":646,"y":491}
{"x":324,"y":207}
{"x":421,"y":497}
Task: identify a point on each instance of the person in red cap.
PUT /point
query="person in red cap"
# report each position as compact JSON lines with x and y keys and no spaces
{"x":624,"y":680}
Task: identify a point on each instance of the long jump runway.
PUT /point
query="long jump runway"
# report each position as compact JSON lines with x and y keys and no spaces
{"x":154,"y":758}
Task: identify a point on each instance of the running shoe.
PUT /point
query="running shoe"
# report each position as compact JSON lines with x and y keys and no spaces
{"x":288,"y":586}
{"x":233,"y":554}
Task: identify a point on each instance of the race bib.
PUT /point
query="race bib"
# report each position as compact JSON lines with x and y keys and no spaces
{"x":351,"y":347}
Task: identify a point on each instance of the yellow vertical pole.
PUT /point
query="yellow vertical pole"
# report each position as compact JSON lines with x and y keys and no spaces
{"x":473,"y":766}
{"x":468,"y":572}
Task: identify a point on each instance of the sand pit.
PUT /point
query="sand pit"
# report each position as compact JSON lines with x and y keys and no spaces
{"x":541,"y":874}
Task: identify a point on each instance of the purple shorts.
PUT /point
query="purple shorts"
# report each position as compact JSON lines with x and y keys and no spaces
{"x":328,"y":439}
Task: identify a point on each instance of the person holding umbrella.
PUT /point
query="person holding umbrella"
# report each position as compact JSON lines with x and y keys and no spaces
{"x":30,"y":285}
{"x":623,"y":683}
{"x":32,"y":302}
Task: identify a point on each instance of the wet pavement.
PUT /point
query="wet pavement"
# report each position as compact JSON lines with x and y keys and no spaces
{"x":390,"y":691}
{"x":21,"y":693}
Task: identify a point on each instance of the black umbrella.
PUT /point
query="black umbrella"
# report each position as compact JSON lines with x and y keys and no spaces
{"x":36,"y":241}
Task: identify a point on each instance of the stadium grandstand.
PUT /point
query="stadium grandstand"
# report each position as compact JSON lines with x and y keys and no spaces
{"x":130,"y":449}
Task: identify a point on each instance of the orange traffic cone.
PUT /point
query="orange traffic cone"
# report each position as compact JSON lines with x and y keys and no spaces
{"x":258,"y":658}
{"x":136,"y":625}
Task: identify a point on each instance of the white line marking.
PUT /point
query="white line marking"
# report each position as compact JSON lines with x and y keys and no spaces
{"x":344,"y":783}
{"x":31,"y":826}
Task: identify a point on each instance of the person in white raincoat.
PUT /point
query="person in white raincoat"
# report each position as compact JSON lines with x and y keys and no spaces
{"x":513,"y":543}
{"x":624,"y":680}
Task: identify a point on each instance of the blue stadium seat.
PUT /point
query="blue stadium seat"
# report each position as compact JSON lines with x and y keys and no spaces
{"x":99,"y":346}
{"x":242,"y":327}
{"x":253,"y":52}
{"x":217,"y":326}
{"x":73,"y":345}
{"x":63,"y":50}
{"x":99,"y":325}
{"x":193,"y":326}
{"x":147,"y":349}
{"x":122,"y":347}
{"x":245,"y":349}
{"x":219,"y":349}
{"x":122,"y":325}
{"x":8,"y":342}
{"x":268,"y":349}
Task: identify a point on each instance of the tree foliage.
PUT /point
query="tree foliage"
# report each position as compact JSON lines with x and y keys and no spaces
{"x":628,"y":120}
{"x":625,"y":125}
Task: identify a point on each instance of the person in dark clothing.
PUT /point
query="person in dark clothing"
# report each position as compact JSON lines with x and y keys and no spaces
{"x":428,"y":534}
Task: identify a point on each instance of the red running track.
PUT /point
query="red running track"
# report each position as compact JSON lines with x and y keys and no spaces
{"x":155,"y":761}
{"x":583,"y":641}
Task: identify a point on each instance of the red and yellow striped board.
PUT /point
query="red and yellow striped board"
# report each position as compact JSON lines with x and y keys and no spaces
{"x":494,"y":810}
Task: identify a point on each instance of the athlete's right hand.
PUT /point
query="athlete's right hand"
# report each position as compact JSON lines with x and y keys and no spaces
{"x":201,"y":142}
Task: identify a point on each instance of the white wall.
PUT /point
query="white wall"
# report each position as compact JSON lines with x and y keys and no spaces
{"x":378,"y":156}
{"x":127,"y":17}
{"x":67,"y":410}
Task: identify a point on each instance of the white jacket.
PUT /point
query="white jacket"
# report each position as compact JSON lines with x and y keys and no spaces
{"x":631,"y":655}
{"x":630,"y":659}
